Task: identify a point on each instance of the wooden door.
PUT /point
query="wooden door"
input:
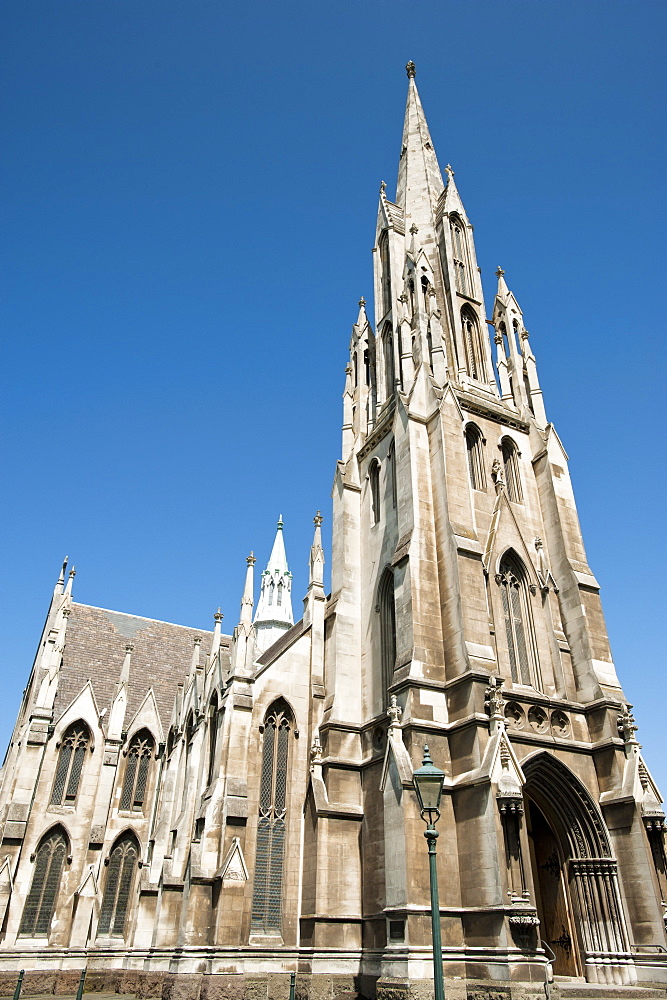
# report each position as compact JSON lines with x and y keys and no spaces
{"x":553,"y":905}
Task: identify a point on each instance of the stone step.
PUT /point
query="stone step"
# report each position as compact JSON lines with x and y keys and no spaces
{"x":577,"y":990}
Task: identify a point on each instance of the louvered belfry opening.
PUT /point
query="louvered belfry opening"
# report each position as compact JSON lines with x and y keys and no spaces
{"x":513,"y":582}
{"x":137,"y":768}
{"x":270,"y":853}
{"x":70,"y":764}
{"x":47,"y":876}
{"x":120,"y":877}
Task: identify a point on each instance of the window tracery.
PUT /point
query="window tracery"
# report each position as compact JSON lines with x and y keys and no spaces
{"x":122,"y":865}
{"x":267,"y":896}
{"x":514,"y":587}
{"x":46,"y":879}
{"x":137,"y":768}
{"x":510,"y":455}
{"x":70,"y":764}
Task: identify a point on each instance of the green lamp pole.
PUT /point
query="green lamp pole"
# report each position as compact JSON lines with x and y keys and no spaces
{"x":428,"y":781}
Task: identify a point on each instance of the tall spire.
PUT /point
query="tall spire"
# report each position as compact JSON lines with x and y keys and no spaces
{"x":419,"y":179}
{"x":274,"y":608}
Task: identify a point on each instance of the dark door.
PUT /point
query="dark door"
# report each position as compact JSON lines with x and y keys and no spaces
{"x":553,"y":904}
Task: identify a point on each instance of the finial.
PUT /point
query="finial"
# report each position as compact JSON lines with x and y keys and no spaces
{"x":251,"y":560}
{"x":362,"y":302}
{"x":450,"y":169}
{"x":383,"y":187}
{"x":317,"y":520}
{"x":414,"y":229}
{"x":411,"y":70}
{"x":129,"y":647}
{"x":218,"y":616}
{"x":280,"y":522}
{"x":499,"y":272}
{"x":61,"y":578}
{"x":72,"y":572}
{"x":394,"y":711}
{"x":427,"y":756}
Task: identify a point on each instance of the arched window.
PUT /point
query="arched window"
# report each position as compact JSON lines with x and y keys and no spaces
{"x":214,"y":717}
{"x":513,"y":581}
{"x":70,"y":764}
{"x":387,"y":609}
{"x":388,"y":355}
{"x":385,"y":272}
{"x":189,"y":737}
{"x":473,"y":345}
{"x":267,"y":896}
{"x":46,"y":879}
{"x":122,"y":865}
{"x":510,"y":455}
{"x":475,"y":447}
{"x":391,"y":468}
{"x":272,"y":587}
{"x":460,"y":254}
{"x":279,"y":597}
{"x":374,"y":486}
{"x":137,"y":766}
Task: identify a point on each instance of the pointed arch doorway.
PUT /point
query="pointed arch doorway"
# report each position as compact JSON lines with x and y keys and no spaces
{"x":554,"y":906}
{"x":575,"y":876}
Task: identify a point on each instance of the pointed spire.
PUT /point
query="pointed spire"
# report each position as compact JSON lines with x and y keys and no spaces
{"x":217,"y":630}
{"x":247,"y":599}
{"x":70,"y":581}
{"x":274,"y":608}
{"x":58,"y":589}
{"x":317,"y":554}
{"x":124,"y":678}
{"x":503,"y":290}
{"x":419,"y":179}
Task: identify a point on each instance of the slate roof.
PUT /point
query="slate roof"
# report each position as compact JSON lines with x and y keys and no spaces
{"x":95,"y":648}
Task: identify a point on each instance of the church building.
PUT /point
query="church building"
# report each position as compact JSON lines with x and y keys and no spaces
{"x":194,"y":815}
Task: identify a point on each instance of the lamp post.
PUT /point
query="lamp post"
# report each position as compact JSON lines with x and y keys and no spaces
{"x":428,"y":781}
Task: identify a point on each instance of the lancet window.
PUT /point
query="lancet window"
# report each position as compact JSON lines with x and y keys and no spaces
{"x":513,"y":580}
{"x":137,"y":767}
{"x":70,"y":764}
{"x":122,"y":866}
{"x":460,"y":255}
{"x":387,"y":610}
{"x":475,"y":449}
{"x":267,"y":898}
{"x":385,"y":272}
{"x":472,"y":341}
{"x":374,"y":487}
{"x":214,"y":720}
{"x":47,"y":876}
{"x":388,"y":357}
{"x":510,"y":454}
{"x":189,"y":737}
{"x":391,"y":468}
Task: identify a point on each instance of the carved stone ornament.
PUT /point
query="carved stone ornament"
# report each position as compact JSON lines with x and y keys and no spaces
{"x":627,"y":727}
{"x":315,"y":753}
{"x":538,"y":719}
{"x":560,"y":724}
{"x":524,"y":920}
{"x":515,"y":715}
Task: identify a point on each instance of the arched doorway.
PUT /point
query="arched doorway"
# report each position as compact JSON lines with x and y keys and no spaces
{"x":575,"y":876}
{"x":552,"y":898}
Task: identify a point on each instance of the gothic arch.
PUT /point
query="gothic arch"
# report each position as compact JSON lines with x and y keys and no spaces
{"x":138,"y":753}
{"x":568,"y":805}
{"x":575,"y":874}
{"x":49,"y":861}
{"x":386,"y":606}
{"x":272,"y":822}
{"x":72,"y":746}
{"x":121,"y":867}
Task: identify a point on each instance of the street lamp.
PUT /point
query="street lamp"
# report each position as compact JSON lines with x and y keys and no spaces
{"x":428,"y":781}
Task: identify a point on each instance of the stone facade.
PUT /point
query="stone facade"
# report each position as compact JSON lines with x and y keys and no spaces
{"x":191,"y":814}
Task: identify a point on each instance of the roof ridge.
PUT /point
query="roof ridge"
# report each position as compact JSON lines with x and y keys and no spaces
{"x":158,"y":621}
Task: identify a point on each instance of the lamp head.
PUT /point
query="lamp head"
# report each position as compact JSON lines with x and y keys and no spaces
{"x":428,"y":780}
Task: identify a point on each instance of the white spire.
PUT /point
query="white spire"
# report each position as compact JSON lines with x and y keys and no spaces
{"x":274,"y":608}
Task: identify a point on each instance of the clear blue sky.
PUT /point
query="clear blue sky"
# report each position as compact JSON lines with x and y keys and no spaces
{"x":190,"y":199}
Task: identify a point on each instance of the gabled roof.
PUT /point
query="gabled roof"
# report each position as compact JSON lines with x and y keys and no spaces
{"x":95,"y":650}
